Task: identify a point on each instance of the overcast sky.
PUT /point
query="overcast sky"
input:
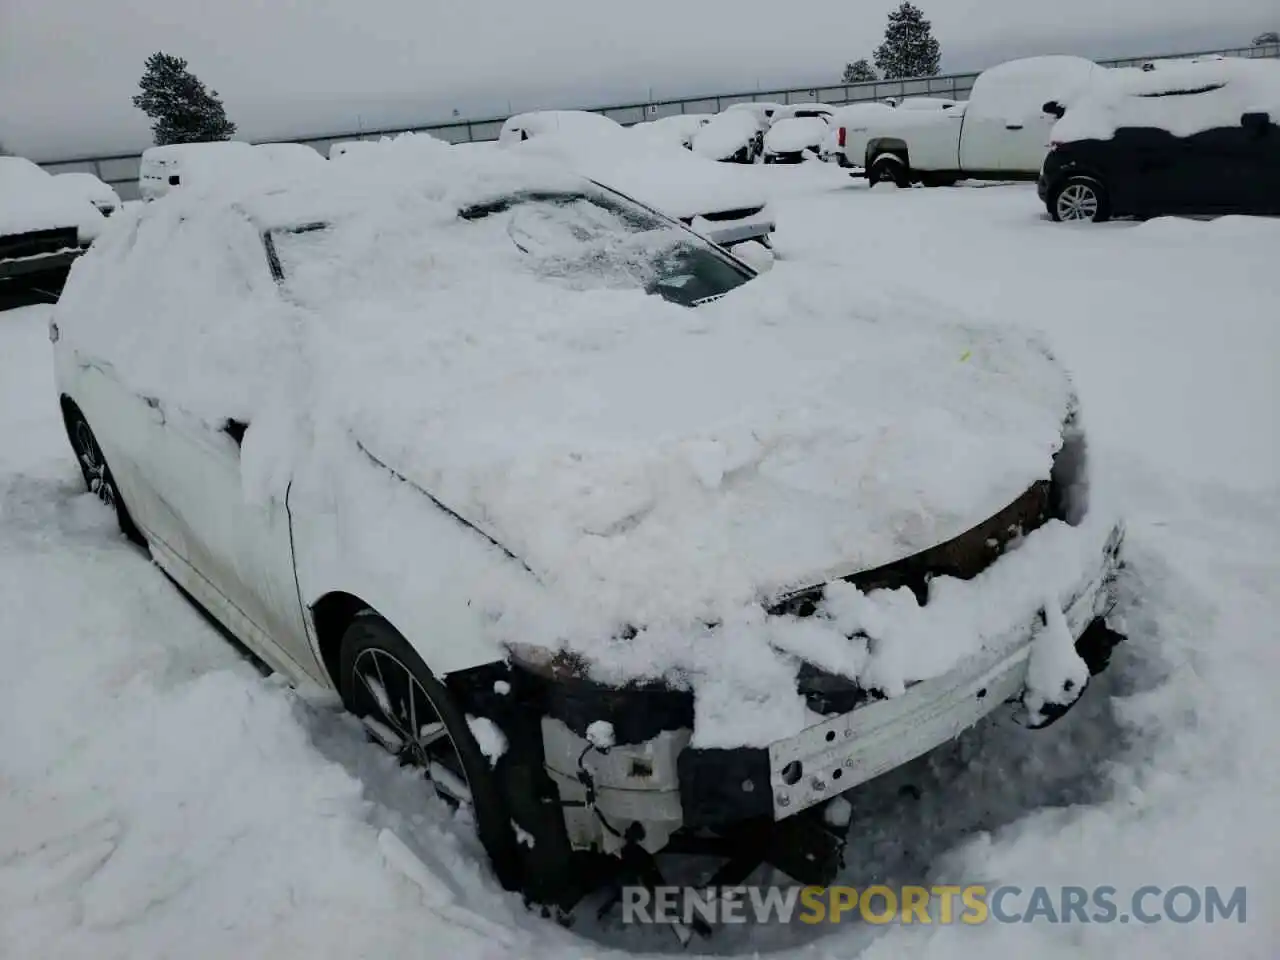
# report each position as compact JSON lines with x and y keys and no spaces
{"x":292,"y":67}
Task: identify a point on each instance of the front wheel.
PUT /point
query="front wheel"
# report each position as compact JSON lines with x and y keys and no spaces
{"x":97,"y":475}
{"x":1079,"y":199}
{"x":407,"y":711}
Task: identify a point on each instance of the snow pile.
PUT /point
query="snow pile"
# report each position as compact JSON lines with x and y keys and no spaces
{"x":726,"y":133}
{"x":1183,"y":98}
{"x":570,"y":123}
{"x":31,"y":199}
{"x":794,"y":134}
{"x":491,"y":741}
{"x":677,"y":130}
{"x":1017,"y":91}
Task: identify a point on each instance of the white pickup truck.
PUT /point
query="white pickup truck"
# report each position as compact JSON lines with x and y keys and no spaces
{"x":1000,"y":133}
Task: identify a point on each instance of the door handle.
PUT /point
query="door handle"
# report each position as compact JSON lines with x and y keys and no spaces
{"x":1013,"y":126}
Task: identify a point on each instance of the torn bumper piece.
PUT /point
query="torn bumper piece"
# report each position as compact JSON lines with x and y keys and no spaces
{"x":829,"y":758}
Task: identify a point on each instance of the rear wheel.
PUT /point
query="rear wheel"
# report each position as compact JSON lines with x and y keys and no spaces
{"x":889,"y":168}
{"x":408,"y":712}
{"x":97,"y":475}
{"x":1079,"y":199}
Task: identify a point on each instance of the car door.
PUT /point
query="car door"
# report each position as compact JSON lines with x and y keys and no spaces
{"x":232,"y":552}
{"x":1025,"y":143}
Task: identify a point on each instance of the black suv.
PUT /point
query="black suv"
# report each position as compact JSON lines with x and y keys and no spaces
{"x":1147,"y":172}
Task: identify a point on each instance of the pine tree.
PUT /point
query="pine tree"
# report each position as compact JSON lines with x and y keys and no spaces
{"x":909,"y":48}
{"x":860,"y":71}
{"x":180,"y":108}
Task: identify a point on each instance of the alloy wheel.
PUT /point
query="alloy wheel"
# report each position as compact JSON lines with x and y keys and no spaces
{"x":94,"y":464}
{"x":397,"y":712}
{"x":1077,"y":201}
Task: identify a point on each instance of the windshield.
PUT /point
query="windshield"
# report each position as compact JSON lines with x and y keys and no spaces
{"x":598,"y":241}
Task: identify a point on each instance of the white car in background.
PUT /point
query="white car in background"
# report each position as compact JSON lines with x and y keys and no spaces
{"x":44,"y":225}
{"x":731,"y":136}
{"x":763,"y":111}
{"x":91,"y":188}
{"x":722,"y":204}
{"x":166,"y":168}
{"x":797,"y":132}
{"x":290,"y":156}
{"x":679,"y":128}
{"x":596,"y":531}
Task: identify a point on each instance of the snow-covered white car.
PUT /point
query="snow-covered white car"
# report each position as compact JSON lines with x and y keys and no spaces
{"x":723,"y":204}
{"x":679,"y":128}
{"x":797,"y":132}
{"x":201,"y":164}
{"x":86,"y":185}
{"x":731,"y":136}
{"x":44,"y":226}
{"x":627,"y":550}
{"x":1000,"y":133}
{"x":290,"y":156}
{"x":762,"y":110}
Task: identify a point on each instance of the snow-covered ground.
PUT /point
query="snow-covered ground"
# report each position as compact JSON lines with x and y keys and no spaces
{"x":160,"y":797}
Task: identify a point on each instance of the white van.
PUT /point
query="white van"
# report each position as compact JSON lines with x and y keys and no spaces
{"x":164,"y":168}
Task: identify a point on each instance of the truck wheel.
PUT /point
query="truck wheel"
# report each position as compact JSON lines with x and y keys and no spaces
{"x":889,"y":168}
{"x":1079,"y":198}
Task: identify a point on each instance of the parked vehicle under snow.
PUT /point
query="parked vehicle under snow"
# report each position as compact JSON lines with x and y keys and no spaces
{"x":629,"y":549}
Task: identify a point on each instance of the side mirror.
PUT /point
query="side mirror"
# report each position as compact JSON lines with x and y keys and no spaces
{"x":1255,"y":122}
{"x":1054,"y":109}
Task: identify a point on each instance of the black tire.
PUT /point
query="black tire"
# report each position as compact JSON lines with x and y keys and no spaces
{"x":97,"y":474}
{"x":935,"y":180}
{"x":1079,"y":198}
{"x":370,"y":643}
{"x":889,"y":168}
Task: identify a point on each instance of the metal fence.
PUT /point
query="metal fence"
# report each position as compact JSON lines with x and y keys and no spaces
{"x":121,"y":170}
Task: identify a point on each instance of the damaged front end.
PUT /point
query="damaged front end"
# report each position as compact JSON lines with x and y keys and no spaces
{"x":619,"y":777}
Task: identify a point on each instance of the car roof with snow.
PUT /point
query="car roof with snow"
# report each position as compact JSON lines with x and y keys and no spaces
{"x":1019,"y":89}
{"x":567,"y":122}
{"x":1181,"y":97}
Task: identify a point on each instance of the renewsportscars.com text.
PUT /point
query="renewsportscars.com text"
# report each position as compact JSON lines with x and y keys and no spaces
{"x":942,"y":904}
